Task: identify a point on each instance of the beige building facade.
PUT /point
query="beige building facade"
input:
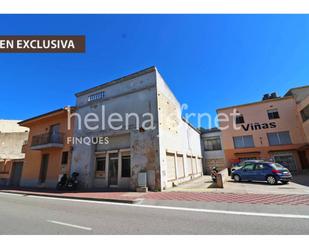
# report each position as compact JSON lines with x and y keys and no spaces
{"x":12,"y":139}
{"x":271,"y":129}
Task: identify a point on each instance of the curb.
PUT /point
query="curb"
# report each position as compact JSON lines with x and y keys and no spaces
{"x":135,"y":201}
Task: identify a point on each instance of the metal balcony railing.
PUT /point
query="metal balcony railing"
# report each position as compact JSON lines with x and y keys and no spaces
{"x":48,"y":138}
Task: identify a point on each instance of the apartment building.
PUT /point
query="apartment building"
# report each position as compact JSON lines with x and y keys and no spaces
{"x":12,"y":138}
{"x":169,"y":152}
{"x":212,"y":147}
{"x":275,"y":128}
{"x":47,"y":152}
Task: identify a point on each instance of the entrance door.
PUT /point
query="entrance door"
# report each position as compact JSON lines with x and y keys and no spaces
{"x":44,"y":166}
{"x":303,"y":159}
{"x":113,"y":170}
{"x":16,"y":174}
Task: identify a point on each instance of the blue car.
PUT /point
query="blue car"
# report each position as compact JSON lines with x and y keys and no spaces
{"x":256,"y":170}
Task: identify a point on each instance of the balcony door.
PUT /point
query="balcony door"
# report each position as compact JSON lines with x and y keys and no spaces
{"x":54,"y":133}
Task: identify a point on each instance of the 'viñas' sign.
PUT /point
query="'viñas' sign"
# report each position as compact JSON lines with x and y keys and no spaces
{"x":258,"y":126}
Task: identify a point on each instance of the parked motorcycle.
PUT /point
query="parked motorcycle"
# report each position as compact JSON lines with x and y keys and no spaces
{"x":61,"y":185}
{"x":72,"y":182}
{"x":214,"y":173}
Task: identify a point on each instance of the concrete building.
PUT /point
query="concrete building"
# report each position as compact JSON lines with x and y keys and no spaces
{"x":268,"y":129}
{"x":169,"y":152}
{"x":213,"y":150}
{"x":48,"y":155}
{"x":12,"y":138}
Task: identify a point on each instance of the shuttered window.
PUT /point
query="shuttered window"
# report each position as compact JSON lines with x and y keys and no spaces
{"x":279,"y":138}
{"x":243,"y":141}
{"x":180,"y":166}
{"x":171,"y":167}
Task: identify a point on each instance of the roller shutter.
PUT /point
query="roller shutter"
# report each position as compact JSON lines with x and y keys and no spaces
{"x":171,"y":167}
{"x":180,"y":166}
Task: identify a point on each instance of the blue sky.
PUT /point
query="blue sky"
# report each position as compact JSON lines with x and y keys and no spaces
{"x":209,"y":61}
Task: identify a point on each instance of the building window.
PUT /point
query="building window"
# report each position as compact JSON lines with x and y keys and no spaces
{"x":212,"y":143}
{"x":65,"y":157}
{"x":240,"y":119}
{"x":243,"y":142}
{"x":279,"y":138}
{"x":100,"y":164}
{"x":125,"y":166}
{"x":96,"y":96}
{"x":273,"y":114}
{"x":305,"y":113}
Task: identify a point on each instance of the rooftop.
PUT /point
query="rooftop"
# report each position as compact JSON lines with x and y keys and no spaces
{"x":257,"y":102}
{"x":11,"y":126}
{"x":116,"y":81}
{"x":45,"y":115}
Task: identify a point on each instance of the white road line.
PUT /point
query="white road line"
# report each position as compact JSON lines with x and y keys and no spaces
{"x":5,"y":193}
{"x":69,"y":225}
{"x":213,"y":211}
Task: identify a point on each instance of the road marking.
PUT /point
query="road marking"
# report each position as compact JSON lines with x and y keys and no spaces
{"x":200,"y":210}
{"x":69,"y":225}
{"x":5,"y":193}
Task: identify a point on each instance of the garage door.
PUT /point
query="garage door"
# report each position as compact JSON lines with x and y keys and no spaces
{"x":199,"y":165}
{"x":189,"y":165}
{"x":194,"y":166}
{"x":180,"y":166}
{"x":171,"y":167}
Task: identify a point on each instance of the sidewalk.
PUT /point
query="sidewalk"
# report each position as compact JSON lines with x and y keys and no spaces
{"x":122,"y":197}
{"x":134,"y":197}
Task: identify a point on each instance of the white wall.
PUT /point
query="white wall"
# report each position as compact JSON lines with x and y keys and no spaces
{"x":176,"y":136}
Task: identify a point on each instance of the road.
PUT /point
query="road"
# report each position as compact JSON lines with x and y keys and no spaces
{"x":41,"y":215}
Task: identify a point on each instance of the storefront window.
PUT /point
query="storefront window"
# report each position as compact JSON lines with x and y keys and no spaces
{"x":100,"y":167}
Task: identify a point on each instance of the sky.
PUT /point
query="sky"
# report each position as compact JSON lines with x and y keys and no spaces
{"x":208,"y":61}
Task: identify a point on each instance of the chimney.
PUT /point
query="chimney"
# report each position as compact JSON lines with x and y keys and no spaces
{"x":273,"y":95}
{"x":266,"y":96}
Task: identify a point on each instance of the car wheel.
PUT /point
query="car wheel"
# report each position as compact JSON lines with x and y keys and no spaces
{"x":236,"y":178}
{"x":271,"y":180}
{"x":284,"y":182}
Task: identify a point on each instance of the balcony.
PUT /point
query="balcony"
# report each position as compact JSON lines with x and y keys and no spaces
{"x":47,"y":141}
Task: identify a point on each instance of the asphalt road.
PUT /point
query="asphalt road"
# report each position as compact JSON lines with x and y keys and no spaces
{"x":35,"y":215}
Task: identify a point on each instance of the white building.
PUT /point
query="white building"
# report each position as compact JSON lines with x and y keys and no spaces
{"x":169,"y":152}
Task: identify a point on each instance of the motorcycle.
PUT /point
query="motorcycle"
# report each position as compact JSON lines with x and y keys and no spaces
{"x":72,"y":182}
{"x":214,"y":173}
{"x":61,"y":185}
